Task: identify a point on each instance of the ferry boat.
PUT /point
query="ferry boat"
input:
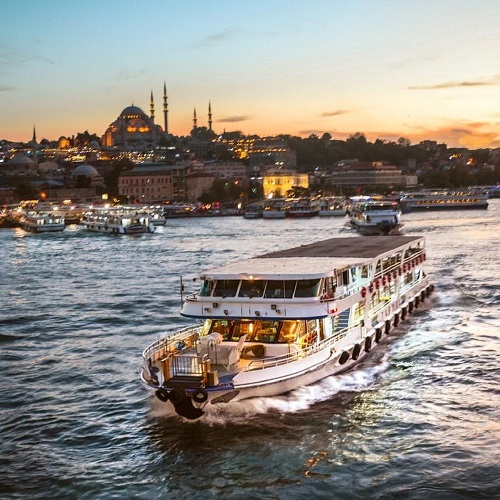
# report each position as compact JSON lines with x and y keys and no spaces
{"x":302,"y":207}
{"x":274,"y":209}
{"x":372,"y":217}
{"x":43,"y":222}
{"x":286,"y":319}
{"x":117,"y":220}
{"x":334,"y":206}
{"x":253,"y":211}
{"x":435,"y":199}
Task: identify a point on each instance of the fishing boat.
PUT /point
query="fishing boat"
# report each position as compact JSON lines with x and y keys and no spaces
{"x":334,"y":206}
{"x":268,"y":325}
{"x":372,"y":217}
{"x":117,"y":220}
{"x":43,"y":222}
{"x":442,"y":199}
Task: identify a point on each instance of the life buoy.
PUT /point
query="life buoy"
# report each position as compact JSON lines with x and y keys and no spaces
{"x":200,"y":396}
{"x":162,"y":394}
{"x":368,"y":344}
{"x":377,"y":284}
{"x":387,"y":327}
{"x":378,"y":335}
{"x":384,"y":280}
{"x":363,"y":292}
{"x":356,"y":351}
{"x":343,"y":358}
{"x":389,"y":277}
{"x":371,"y":287}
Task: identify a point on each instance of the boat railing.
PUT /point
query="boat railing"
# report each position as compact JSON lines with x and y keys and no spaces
{"x":294,"y":355}
{"x":179,"y":341}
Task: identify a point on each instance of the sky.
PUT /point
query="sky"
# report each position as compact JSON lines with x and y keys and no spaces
{"x":419,"y":69}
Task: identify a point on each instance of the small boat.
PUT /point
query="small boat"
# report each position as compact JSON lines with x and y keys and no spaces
{"x":442,"y":199}
{"x":372,"y":218}
{"x":271,"y":324}
{"x":43,"y":222}
{"x":302,"y":207}
{"x":334,"y":206}
{"x":117,"y":220}
{"x":274,"y":209}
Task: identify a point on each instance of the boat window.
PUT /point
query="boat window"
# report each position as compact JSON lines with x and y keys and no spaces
{"x":226,"y":288}
{"x":206,"y":288}
{"x":307,"y":288}
{"x":278,"y":289}
{"x":266,"y":331}
{"x":364,"y":271}
{"x":251,"y":288}
{"x":223,"y":327}
{"x":289,"y":331}
{"x":242,"y":328}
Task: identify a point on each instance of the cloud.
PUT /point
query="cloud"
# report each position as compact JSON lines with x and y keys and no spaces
{"x":13,"y":56}
{"x":6,"y":88}
{"x":234,"y":119}
{"x":334,"y":113}
{"x":492,"y":81}
{"x":214,"y":39}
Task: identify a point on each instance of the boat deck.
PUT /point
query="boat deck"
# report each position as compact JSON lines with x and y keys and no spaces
{"x":357,"y":247}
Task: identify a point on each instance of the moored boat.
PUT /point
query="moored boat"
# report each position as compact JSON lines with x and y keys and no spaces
{"x":372,"y":218}
{"x":334,"y":206}
{"x":274,"y":209}
{"x":43,"y":222}
{"x":443,"y":199}
{"x":117,"y":220}
{"x":286,"y":319}
{"x":302,"y":207}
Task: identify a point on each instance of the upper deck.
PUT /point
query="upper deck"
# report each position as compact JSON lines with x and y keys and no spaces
{"x":315,"y":259}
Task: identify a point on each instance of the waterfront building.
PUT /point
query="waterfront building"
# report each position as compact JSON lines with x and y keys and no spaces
{"x":147,"y":183}
{"x":276,"y":183}
{"x":371,"y":174}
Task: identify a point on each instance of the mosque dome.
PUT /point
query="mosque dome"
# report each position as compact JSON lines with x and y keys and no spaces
{"x":86,"y":170}
{"x":132,"y":112}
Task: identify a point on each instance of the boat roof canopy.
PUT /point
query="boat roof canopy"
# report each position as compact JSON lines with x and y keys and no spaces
{"x":315,"y":260}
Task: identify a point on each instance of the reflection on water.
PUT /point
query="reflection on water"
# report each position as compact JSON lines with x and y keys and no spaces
{"x":417,"y":419}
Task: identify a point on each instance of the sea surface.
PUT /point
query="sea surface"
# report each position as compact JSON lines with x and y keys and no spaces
{"x":419,"y":419}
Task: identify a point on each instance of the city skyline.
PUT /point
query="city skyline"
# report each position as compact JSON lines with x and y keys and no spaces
{"x":381,"y":68}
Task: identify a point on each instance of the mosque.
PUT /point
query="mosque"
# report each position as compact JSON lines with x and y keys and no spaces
{"x":133,"y":129}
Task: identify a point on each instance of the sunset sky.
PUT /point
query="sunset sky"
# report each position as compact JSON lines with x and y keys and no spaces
{"x":421,"y":69}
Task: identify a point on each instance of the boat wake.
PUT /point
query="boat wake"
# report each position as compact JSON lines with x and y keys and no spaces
{"x":295,"y":401}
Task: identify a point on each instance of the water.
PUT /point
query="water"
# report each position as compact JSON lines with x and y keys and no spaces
{"x":418,"y":419}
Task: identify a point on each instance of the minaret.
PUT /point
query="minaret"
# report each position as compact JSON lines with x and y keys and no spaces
{"x":209,"y":116}
{"x":152,"y":108}
{"x":165,"y":107}
{"x":34,"y":134}
{"x":194,"y":119}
